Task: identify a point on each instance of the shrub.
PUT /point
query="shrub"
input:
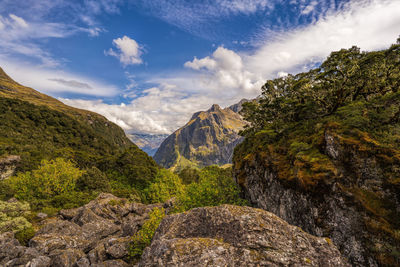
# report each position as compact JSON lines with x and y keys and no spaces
{"x":189,"y":175}
{"x":215,"y":187}
{"x":12,"y":216}
{"x":143,"y":237}
{"x":53,"y":178}
{"x":165,"y":186}
{"x":93,"y":180}
{"x":25,"y":235}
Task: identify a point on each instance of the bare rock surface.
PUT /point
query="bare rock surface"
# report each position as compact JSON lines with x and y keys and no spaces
{"x":97,"y":234}
{"x":236,"y":236}
{"x":8,"y":166}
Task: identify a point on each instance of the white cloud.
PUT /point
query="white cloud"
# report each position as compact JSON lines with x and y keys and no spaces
{"x":19,"y":21}
{"x":129,"y":52}
{"x":53,"y":81}
{"x":370,"y":25}
{"x":309,"y":8}
{"x":225,"y":71}
{"x":160,"y":110}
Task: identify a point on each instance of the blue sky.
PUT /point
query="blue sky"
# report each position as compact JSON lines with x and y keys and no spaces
{"x":148,"y":65}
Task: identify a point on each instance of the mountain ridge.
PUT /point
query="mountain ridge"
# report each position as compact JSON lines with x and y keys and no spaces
{"x":208,"y":138}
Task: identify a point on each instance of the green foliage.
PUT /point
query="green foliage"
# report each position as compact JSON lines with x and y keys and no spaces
{"x":93,"y":180}
{"x":23,"y":236}
{"x":144,"y":236}
{"x":345,"y":76}
{"x":166,"y":186}
{"x":215,"y":187}
{"x":189,"y":175}
{"x":38,"y":132}
{"x":130,"y":168}
{"x":53,"y":178}
{"x":12,"y":216}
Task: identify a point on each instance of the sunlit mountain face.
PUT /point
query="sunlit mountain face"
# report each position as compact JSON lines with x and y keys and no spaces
{"x":149,"y":65}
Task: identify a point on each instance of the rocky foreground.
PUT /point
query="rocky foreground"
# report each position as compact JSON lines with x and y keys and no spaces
{"x":99,"y":233}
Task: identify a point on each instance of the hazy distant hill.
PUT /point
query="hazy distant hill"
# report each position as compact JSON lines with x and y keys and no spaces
{"x":208,"y":138}
{"x":149,"y":143}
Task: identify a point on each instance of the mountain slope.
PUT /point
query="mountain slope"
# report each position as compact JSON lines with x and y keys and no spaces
{"x":106,"y":129}
{"x":36,"y":127}
{"x":208,"y":138}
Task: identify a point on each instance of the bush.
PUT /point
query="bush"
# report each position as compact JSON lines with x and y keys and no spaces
{"x":166,"y":185}
{"x":12,"y":216}
{"x":54,"y":177}
{"x":215,"y":187}
{"x":93,"y":180}
{"x":25,"y":235}
{"x":189,"y":175}
{"x":143,"y":237}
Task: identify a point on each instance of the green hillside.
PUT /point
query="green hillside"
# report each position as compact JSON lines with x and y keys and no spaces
{"x":37,"y":127}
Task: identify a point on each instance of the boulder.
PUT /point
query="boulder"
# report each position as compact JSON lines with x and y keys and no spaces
{"x":236,"y":236}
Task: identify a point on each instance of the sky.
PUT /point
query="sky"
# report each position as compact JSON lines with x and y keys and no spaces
{"x":149,"y":65}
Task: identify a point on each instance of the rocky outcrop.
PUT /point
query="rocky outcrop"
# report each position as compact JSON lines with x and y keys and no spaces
{"x":8,"y":165}
{"x":97,"y":234}
{"x":208,"y":138}
{"x":236,"y":236}
{"x":357,"y":206}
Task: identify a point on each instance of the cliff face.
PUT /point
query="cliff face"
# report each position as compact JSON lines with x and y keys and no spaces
{"x":208,"y":138}
{"x":345,"y":186}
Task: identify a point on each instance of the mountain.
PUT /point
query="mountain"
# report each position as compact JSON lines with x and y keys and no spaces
{"x":35,"y":126}
{"x":323,"y":153}
{"x":149,"y":143}
{"x":208,"y":138}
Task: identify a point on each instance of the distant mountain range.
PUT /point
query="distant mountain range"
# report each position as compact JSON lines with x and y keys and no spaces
{"x":208,"y":138}
{"x":149,"y":143}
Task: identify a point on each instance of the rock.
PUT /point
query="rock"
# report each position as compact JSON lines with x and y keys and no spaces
{"x":112,"y":263}
{"x":8,"y":166}
{"x":236,"y":236}
{"x":348,"y":207}
{"x":46,"y":243}
{"x":60,"y":227}
{"x":117,"y":248}
{"x":41,"y":261}
{"x":66,"y":258}
{"x":41,"y":215}
{"x":97,"y":234}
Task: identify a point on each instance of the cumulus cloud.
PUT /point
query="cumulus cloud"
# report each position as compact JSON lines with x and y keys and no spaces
{"x":159,"y":110}
{"x":225,"y":71}
{"x":128,"y":52}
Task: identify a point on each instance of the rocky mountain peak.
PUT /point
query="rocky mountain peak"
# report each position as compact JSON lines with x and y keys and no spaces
{"x":208,"y":138}
{"x":214,"y":108}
